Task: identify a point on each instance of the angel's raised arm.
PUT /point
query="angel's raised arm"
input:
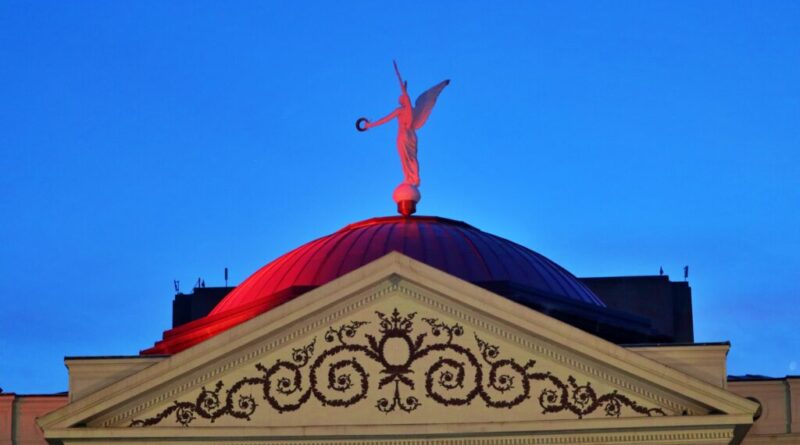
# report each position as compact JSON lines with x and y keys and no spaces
{"x":382,"y":120}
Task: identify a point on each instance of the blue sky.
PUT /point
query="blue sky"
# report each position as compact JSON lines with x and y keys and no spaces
{"x":142,"y":142}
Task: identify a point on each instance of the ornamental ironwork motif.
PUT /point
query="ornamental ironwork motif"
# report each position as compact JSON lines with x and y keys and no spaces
{"x":453,"y":375}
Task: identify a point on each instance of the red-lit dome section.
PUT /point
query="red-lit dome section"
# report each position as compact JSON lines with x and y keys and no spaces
{"x":451,"y":246}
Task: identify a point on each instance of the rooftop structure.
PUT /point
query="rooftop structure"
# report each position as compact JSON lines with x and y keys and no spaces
{"x":454,"y":247}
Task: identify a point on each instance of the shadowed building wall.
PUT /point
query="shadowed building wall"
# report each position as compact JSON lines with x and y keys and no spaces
{"x":667,"y":304}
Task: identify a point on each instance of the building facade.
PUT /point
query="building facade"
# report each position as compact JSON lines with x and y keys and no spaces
{"x":417,"y":330}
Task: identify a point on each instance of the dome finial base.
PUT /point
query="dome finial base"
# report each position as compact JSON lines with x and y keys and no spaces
{"x":406,"y":208}
{"x":406,"y":196}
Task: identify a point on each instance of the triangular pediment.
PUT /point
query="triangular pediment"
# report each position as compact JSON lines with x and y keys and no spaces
{"x":397,"y":347}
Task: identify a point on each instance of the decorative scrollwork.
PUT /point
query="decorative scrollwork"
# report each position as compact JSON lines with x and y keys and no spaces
{"x":453,"y":375}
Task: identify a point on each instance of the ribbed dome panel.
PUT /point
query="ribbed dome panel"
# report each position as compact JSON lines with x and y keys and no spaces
{"x":451,"y":246}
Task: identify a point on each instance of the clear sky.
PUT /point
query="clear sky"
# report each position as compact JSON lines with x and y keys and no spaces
{"x":147,"y":141}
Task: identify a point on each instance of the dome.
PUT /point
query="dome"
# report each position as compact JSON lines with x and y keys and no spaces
{"x":451,"y":246}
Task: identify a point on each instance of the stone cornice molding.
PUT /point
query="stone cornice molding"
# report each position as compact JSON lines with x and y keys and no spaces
{"x":391,"y":274}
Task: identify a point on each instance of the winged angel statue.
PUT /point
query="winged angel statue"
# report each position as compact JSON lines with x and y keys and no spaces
{"x":409,"y":119}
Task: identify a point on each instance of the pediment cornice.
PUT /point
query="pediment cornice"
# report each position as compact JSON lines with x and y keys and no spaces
{"x":638,"y":385}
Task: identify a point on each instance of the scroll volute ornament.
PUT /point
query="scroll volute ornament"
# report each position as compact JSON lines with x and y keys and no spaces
{"x":453,"y":375}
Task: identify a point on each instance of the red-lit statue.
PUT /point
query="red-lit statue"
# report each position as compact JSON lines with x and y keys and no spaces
{"x":409,"y":120}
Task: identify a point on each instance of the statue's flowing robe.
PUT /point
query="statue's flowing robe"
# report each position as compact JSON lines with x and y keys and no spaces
{"x":407,"y":149}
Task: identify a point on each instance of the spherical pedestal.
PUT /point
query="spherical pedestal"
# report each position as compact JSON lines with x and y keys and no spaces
{"x":406,"y":196}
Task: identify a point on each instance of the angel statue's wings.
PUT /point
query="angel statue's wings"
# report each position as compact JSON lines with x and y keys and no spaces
{"x":425,"y":103}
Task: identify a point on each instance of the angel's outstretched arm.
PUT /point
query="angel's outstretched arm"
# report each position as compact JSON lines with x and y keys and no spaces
{"x":382,"y":120}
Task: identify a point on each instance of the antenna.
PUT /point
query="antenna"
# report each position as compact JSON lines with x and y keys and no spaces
{"x":177,"y":285}
{"x":226,"y":277}
{"x":661,"y":270}
{"x":686,"y":273}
